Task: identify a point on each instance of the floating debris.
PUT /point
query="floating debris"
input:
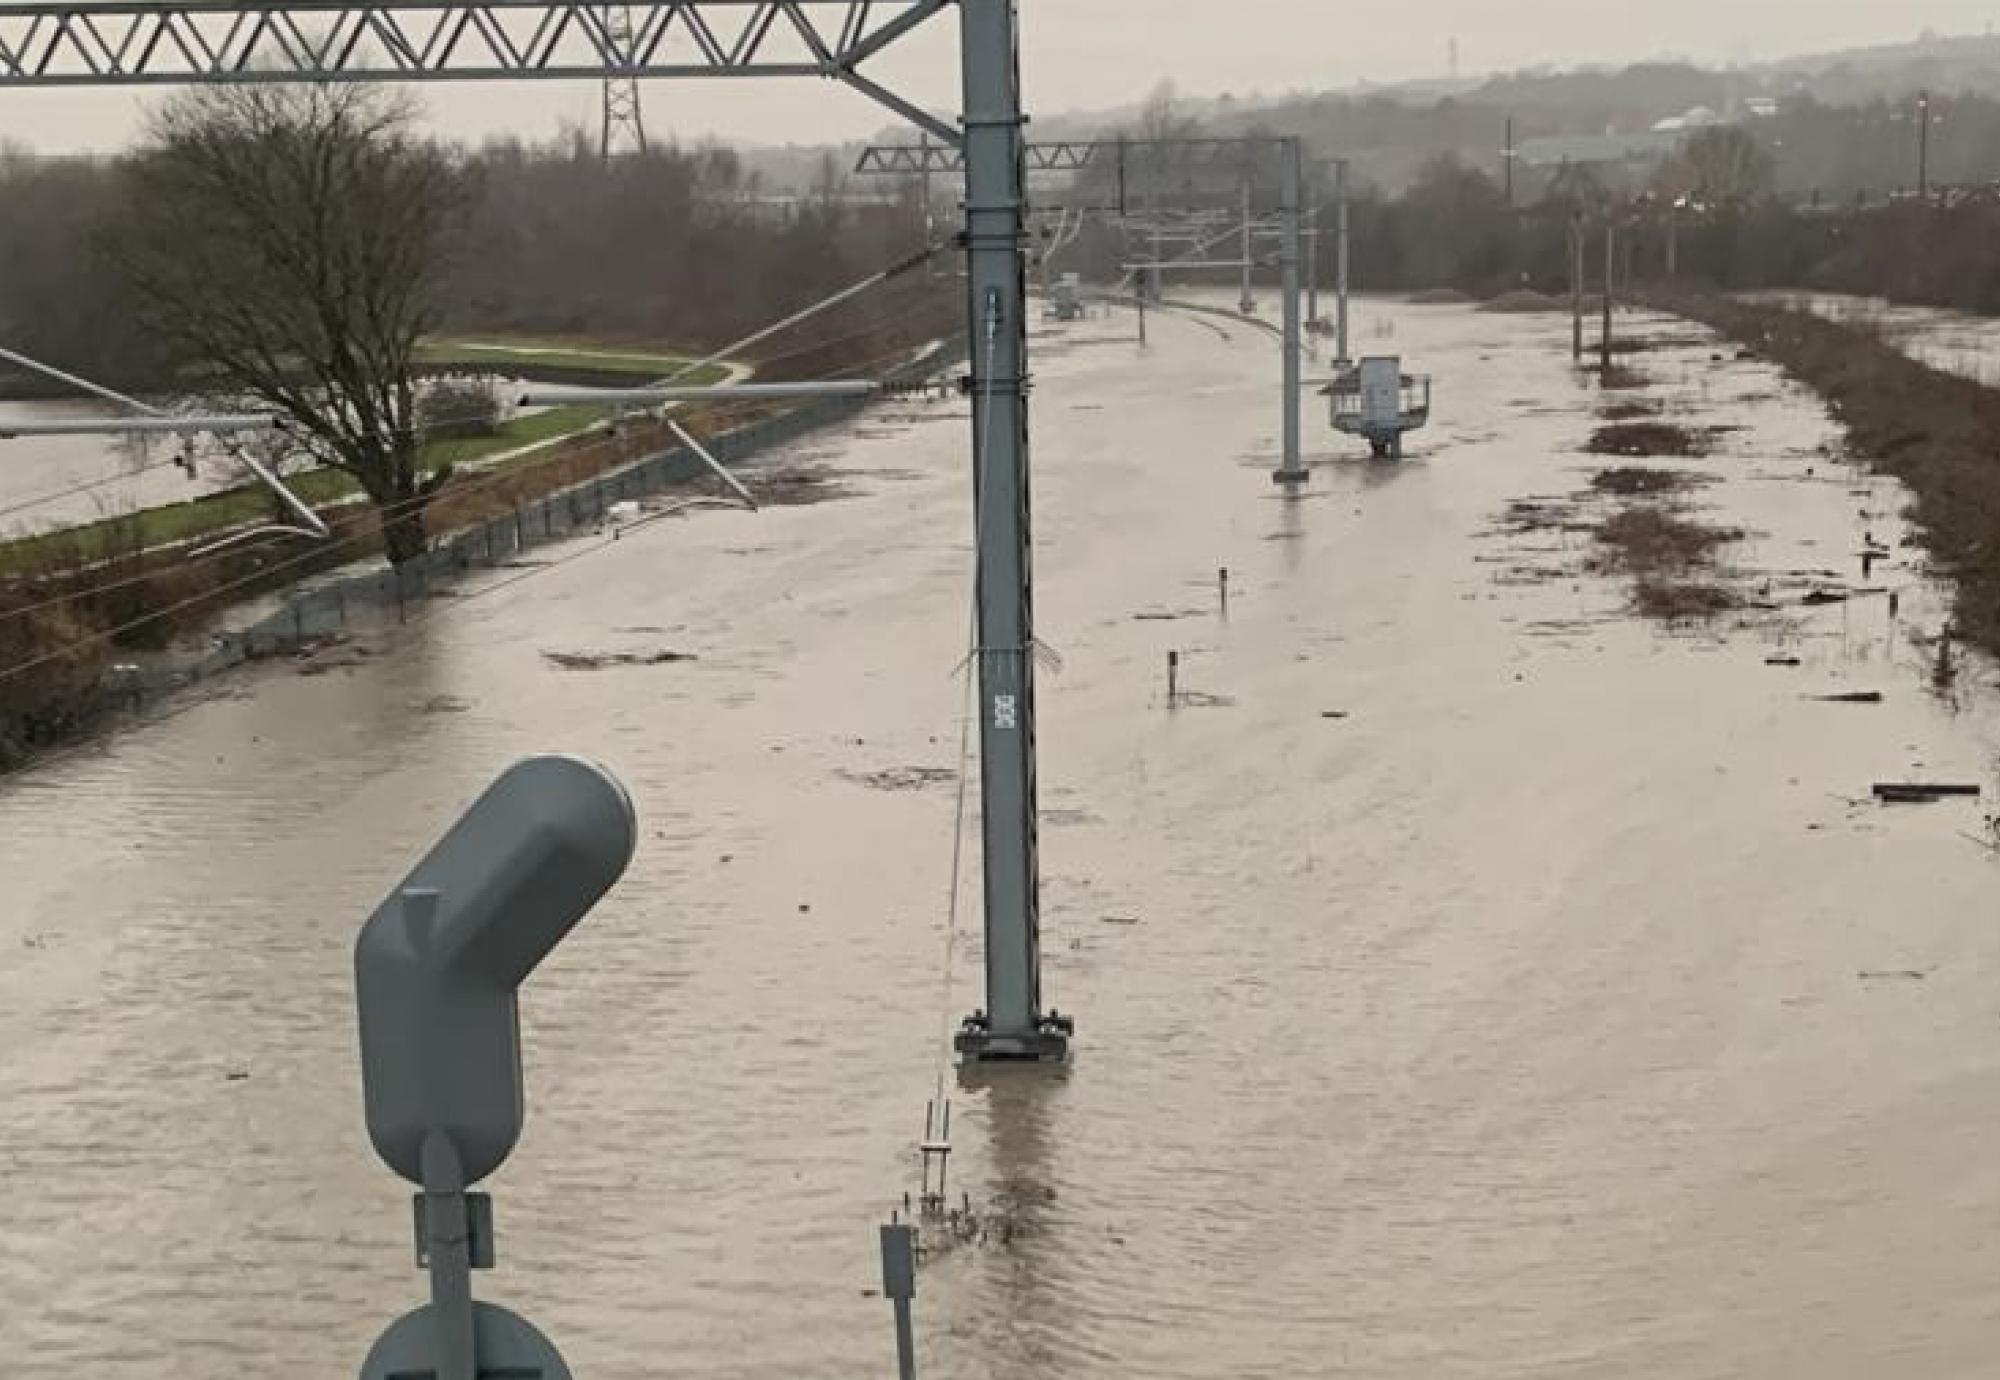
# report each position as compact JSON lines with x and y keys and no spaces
{"x":1816,"y":598}
{"x":1627,"y":411}
{"x":445,"y":704}
{"x":1893,"y":974}
{"x":1850,"y":697}
{"x":1012,"y":1214}
{"x":598,"y":661}
{"x":1920,"y":792}
{"x":797,"y":488}
{"x":901,"y":778}
{"x":1782,"y":660}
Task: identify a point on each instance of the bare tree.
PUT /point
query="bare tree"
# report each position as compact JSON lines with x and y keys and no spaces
{"x":286,"y":243}
{"x":1722,"y":168}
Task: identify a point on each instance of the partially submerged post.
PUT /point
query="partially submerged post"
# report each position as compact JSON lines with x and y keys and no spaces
{"x":1013,"y":1027}
{"x":1312,"y":262}
{"x":1291,"y":469}
{"x":899,"y":1286}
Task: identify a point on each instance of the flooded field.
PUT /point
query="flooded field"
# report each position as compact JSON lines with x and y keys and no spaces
{"x":1473,"y":978}
{"x":1954,"y":342}
{"x":48,"y":482}
{"x":59,"y":481}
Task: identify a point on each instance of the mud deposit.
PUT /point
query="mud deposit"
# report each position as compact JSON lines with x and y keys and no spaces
{"x":1568,"y":1008}
{"x":1651,"y":438}
{"x":1632,"y":481}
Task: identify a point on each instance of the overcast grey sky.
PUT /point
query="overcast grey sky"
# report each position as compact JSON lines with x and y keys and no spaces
{"x":1088,"y":54}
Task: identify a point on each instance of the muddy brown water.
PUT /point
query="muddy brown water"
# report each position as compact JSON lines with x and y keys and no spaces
{"x":59,"y":481}
{"x":1953,"y":342}
{"x":1513,"y":1024}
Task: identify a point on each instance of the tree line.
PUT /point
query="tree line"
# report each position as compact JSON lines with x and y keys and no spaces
{"x":678,"y":245}
{"x":294,"y":247}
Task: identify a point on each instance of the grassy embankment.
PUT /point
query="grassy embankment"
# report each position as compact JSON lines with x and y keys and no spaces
{"x":240,"y":506}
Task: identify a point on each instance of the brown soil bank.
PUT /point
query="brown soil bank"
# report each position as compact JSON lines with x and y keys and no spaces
{"x":1938,"y":433}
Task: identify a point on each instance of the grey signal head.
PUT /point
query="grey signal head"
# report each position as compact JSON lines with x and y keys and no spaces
{"x":439,"y":964}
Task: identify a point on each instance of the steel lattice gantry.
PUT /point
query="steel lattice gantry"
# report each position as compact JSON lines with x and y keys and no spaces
{"x":104,"y":43}
{"x":177,"y":42}
{"x":1076,"y":156}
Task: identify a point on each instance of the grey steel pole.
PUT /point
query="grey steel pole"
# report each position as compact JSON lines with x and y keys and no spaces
{"x":1013,"y":1026}
{"x":1610,"y":268}
{"x":1292,"y":470}
{"x":1924,"y":146}
{"x":448,"y":1243}
{"x":1576,"y":286}
{"x":1312,"y":260}
{"x":929,"y":219}
{"x":1340,"y":191}
{"x":1247,"y":303}
{"x":1153,"y":275}
{"x":899,"y":1284}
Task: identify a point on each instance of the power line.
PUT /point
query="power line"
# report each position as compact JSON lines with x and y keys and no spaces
{"x":384,"y":513}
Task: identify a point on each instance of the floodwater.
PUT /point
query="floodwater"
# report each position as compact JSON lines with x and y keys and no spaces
{"x":1556,"y":1012}
{"x":49,"y":482}
{"x":1953,"y":342}
{"x":60,"y":481}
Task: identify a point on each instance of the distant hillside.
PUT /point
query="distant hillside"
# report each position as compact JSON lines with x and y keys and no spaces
{"x":1389,"y":132}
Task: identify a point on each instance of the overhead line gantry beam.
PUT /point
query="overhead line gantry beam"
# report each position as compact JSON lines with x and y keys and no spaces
{"x":101,"y":43}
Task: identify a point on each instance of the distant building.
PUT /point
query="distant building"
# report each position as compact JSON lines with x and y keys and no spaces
{"x":1701,"y":117}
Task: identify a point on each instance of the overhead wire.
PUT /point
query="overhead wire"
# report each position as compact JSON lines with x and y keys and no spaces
{"x":873,"y":327}
{"x":388,"y":512}
{"x":970,"y":710}
{"x":124,"y":476}
{"x":356,"y":542}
